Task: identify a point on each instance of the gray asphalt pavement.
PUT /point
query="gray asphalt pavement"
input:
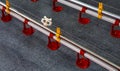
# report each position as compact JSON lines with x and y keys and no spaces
{"x":29,"y":53}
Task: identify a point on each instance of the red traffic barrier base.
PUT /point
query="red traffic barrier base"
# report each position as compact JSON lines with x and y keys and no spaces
{"x":81,"y":19}
{"x":27,"y":30}
{"x":52,"y":44}
{"x":34,"y":0}
{"x":82,"y":62}
{"x":55,"y":7}
{"x":5,"y":17}
{"x":115,"y":33}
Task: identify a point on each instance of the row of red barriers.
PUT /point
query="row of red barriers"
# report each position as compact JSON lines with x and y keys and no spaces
{"x":53,"y":45}
{"x":114,"y":32}
{"x":7,"y":17}
{"x":82,"y":20}
{"x":82,"y":62}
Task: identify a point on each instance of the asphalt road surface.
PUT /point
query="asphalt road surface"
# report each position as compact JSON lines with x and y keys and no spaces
{"x":29,"y":53}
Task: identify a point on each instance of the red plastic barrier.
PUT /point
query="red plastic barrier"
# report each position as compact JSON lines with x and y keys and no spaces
{"x":27,"y":30}
{"x":115,"y":33}
{"x":34,"y":0}
{"x":5,"y":17}
{"x":55,"y":7}
{"x":81,"y":19}
{"x":82,"y":62}
{"x":52,"y":44}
